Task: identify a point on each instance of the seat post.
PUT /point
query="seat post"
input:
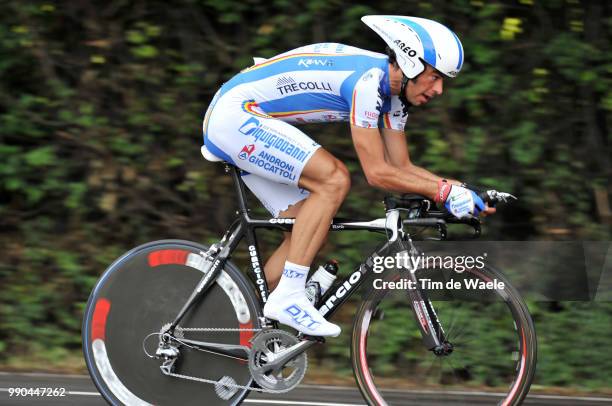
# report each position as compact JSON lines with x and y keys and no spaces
{"x":239,"y":185}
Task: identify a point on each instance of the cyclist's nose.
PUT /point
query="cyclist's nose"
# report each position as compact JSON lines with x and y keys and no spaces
{"x":438,"y":86}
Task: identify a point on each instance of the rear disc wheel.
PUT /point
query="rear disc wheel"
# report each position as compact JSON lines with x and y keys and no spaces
{"x":137,"y":297}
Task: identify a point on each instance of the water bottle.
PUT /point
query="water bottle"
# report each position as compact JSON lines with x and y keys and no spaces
{"x":321,"y":281}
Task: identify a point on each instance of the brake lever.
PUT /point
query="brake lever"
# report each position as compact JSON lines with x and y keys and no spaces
{"x":494,"y":195}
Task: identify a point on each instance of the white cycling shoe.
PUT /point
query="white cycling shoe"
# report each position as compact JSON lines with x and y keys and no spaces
{"x":294,"y":310}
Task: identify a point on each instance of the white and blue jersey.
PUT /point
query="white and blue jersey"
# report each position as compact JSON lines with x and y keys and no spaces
{"x":251,"y":119}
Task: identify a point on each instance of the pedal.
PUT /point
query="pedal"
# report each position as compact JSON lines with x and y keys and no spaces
{"x":317,"y":339}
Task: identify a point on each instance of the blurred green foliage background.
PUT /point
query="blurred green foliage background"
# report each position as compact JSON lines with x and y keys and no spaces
{"x":101,"y":105}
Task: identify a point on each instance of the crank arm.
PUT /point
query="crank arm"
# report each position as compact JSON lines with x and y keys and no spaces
{"x":279,"y":360}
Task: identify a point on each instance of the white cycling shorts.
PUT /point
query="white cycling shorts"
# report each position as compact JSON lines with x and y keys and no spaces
{"x":272,"y":152}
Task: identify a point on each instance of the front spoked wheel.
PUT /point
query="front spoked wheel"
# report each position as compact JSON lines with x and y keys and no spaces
{"x":132,"y":305}
{"x":490,"y":332}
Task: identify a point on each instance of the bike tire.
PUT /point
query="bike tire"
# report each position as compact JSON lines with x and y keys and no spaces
{"x":142,"y":291}
{"x":417,"y":390}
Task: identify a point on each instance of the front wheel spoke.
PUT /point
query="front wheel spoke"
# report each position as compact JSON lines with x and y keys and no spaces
{"x":458,"y":333}
{"x":456,"y":322}
{"x":453,"y":362}
{"x":462,"y":342}
{"x":435,"y":369}
{"x":453,"y":314}
{"x":452,"y":325}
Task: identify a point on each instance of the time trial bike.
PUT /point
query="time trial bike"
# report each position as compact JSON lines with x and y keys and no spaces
{"x":176,"y":322}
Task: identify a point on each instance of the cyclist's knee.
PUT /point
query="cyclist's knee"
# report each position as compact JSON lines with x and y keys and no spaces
{"x":327,"y":177}
{"x":336,"y":182}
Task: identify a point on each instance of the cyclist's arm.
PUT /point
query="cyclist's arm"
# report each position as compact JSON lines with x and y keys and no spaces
{"x":382,"y":174}
{"x":396,"y":148}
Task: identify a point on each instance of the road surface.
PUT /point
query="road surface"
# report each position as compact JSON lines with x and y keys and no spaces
{"x":80,"y":391}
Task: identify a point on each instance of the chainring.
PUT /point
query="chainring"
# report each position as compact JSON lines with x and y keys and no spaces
{"x":265,"y":345}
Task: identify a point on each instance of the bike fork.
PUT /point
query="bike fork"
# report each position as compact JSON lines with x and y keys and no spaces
{"x":432,"y":333}
{"x":431,"y":330}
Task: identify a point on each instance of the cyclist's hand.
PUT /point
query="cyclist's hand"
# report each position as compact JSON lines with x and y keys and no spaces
{"x":461,"y":202}
{"x":488,"y":210}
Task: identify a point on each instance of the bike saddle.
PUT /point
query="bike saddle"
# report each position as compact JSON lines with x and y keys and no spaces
{"x":209,"y":156}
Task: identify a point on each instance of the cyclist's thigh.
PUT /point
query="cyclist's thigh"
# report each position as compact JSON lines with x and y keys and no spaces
{"x":271,"y":152}
{"x":258,"y":143}
{"x":275,"y":196}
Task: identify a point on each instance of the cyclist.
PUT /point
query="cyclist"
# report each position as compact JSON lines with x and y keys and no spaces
{"x":250,"y":123}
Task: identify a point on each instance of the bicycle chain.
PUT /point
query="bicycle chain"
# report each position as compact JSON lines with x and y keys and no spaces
{"x":233,"y":385}
{"x":217,"y":329}
{"x":213,"y":382}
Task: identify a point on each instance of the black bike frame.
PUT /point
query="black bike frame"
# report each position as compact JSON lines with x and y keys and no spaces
{"x":398,"y":242}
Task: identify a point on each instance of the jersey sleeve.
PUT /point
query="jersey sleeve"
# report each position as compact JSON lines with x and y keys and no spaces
{"x":366,"y":100}
{"x":395,"y":118}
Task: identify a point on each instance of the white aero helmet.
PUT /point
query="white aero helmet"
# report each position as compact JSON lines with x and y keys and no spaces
{"x":415,"y":40}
